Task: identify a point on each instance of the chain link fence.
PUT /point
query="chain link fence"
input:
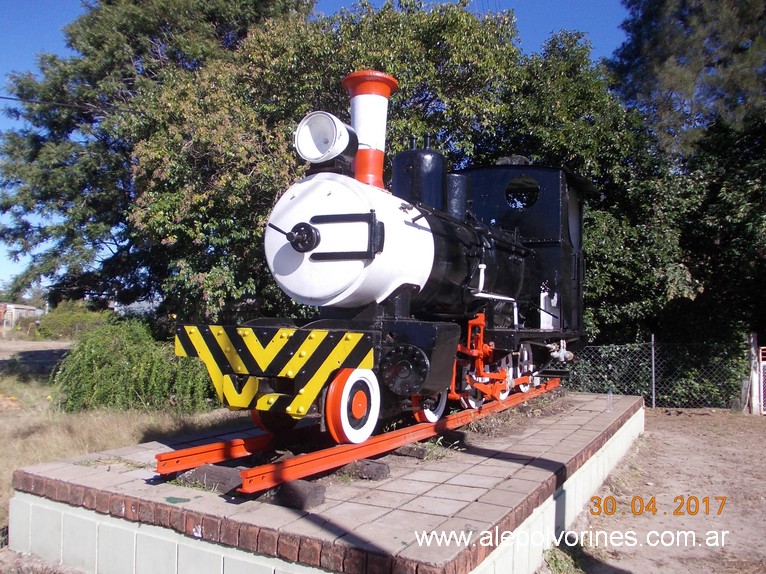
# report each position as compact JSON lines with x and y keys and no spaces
{"x":682,"y":376}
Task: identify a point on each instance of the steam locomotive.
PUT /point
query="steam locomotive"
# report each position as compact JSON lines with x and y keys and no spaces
{"x":461,"y":285}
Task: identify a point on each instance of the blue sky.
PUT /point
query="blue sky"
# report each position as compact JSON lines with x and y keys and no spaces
{"x":31,"y":27}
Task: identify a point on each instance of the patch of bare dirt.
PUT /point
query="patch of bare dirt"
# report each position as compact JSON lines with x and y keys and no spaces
{"x":23,"y":349}
{"x":31,"y":359}
{"x":692,"y":492}
{"x":14,"y":563}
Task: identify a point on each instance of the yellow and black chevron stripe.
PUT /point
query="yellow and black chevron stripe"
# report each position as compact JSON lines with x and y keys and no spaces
{"x":238,"y":357}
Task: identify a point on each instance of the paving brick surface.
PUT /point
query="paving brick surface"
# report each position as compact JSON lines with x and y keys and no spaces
{"x":457,"y":492}
{"x":407,"y":486}
{"x":364,"y":526}
{"x":384,"y":498}
{"x":475,"y":480}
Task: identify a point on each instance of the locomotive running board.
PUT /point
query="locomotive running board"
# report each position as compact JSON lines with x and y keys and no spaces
{"x":267,"y":476}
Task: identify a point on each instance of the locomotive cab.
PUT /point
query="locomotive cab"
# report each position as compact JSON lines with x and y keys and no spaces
{"x":543,"y":206}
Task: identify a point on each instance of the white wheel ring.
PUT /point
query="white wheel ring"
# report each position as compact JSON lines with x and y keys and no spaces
{"x":507,"y":364}
{"x":353,"y":381}
{"x":433,"y":415}
{"x":525,"y":366}
{"x":473,"y":400}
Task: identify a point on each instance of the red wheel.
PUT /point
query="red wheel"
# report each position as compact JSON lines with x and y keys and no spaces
{"x":438,"y":404}
{"x":353,"y":405}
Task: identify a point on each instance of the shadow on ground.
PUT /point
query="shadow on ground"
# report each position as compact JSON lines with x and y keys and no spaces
{"x":34,"y":364}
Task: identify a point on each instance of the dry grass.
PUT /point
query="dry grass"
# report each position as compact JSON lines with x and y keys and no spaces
{"x":514,"y":419}
{"x":33,"y":432}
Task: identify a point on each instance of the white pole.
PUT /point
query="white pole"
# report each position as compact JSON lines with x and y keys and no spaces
{"x":756,"y":391}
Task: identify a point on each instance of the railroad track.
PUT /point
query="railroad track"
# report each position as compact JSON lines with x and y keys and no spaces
{"x":263,"y":477}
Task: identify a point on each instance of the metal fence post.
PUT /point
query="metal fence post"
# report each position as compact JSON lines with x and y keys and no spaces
{"x":756,"y":393}
{"x":654,"y":381}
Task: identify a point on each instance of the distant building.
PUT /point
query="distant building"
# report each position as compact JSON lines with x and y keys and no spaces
{"x":11,"y":313}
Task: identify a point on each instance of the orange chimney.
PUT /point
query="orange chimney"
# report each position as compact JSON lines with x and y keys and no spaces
{"x":370,"y":91}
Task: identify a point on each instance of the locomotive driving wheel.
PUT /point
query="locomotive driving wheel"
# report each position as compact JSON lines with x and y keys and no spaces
{"x":506,"y":363}
{"x":352,"y":406}
{"x":432,"y":413}
{"x":524,"y":366}
{"x":473,"y":399}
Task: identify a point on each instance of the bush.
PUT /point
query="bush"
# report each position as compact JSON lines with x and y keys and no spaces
{"x":27,"y":326}
{"x":70,"y":320}
{"x":120,"y":365}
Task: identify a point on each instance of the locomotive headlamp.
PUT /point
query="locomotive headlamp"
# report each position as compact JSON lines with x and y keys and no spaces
{"x":322,"y":137}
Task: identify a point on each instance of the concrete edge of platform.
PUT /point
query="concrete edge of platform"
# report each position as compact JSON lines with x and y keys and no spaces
{"x":75,"y":525}
{"x":522,"y":552}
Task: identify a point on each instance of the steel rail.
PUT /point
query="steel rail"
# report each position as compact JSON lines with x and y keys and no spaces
{"x":193,"y":457}
{"x":270,"y":475}
{"x":267,"y":476}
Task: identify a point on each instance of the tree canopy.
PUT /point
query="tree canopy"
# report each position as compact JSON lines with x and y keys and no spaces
{"x":688,"y":63}
{"x":221,"y":156}
{"x":149,"y":164}
{"x":66,"y":176}
{"x":697,"y":68}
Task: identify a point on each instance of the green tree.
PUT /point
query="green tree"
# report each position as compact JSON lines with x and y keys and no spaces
{"x":636,"y":264}
{"x":688,"y":63}
{"x":66,"y":177}
{"x":563,"y":113}
{"x":220,"y":156}
{"x":207,"y":149}
{"x":724,"y":237}
{"x":698,"y":70}
{"x":206,"y":179}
